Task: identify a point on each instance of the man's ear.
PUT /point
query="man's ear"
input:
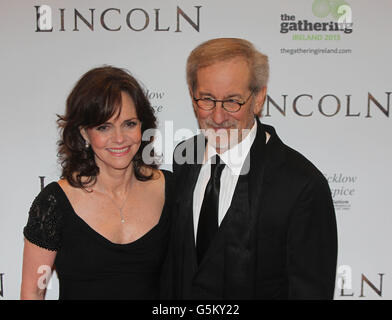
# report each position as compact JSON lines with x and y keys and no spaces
{"x":193,"y":102}
{"x":259,"y":101}
{"x":84,"y":134}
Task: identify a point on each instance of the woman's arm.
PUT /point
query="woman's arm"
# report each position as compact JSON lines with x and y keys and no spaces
{"x":37,"y":268}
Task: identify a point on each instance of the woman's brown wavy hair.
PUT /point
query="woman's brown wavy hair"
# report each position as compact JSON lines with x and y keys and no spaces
{"x":95,"y":98}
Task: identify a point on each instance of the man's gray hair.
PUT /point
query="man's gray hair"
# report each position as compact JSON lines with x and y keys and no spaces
{"x":222,"y":49}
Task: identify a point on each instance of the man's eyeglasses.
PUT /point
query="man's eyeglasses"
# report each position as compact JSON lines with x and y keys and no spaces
{"x":229,"y":105}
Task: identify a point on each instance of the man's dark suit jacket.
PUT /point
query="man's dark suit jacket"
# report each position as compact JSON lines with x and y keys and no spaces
{"x":283,"y":247}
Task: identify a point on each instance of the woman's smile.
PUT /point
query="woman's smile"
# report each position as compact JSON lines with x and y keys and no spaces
{"x":119,"y":152}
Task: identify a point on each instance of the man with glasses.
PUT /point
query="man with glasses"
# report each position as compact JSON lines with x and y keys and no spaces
{"x":252,"y":218}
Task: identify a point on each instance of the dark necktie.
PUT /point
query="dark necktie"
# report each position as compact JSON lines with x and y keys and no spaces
{"x":208,"y":219}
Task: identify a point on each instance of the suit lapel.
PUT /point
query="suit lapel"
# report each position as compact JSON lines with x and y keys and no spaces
{"x":185,"y":204}
{"x":187,"y":207}
{"x":265,"y":160}
{"x":257,"y":168}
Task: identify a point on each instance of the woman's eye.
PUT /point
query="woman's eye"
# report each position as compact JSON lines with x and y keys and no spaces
{"x":102,"y":128}
{"x":132,"y":124}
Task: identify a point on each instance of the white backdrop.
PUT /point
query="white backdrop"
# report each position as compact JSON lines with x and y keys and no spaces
{"x":334,"y":106}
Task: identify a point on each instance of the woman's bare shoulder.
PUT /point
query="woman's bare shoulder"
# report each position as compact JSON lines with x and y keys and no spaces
{"x":70,"y":190}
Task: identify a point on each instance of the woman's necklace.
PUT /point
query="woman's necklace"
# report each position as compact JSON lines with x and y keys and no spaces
{"x":120,"y":208}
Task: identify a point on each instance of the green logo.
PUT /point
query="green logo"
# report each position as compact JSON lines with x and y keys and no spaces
{"x":324,"y":8}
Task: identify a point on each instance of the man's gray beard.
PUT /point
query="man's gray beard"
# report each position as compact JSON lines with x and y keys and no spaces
{"x":224,"y":139}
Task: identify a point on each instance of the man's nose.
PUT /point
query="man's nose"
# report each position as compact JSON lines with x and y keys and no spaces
{"x":219,"y":114}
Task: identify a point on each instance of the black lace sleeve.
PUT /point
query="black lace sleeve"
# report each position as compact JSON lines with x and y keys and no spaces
{"x":44,"y":223}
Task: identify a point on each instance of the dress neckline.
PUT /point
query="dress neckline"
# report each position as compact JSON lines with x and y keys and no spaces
{"x":102,"y":238}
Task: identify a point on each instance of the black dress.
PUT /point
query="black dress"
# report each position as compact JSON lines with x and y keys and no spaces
{"x":89,"y":266}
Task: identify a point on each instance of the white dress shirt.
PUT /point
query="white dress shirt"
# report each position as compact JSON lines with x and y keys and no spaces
{"x":234,"y":159}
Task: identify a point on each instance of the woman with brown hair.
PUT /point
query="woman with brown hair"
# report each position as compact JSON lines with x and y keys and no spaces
{"x":104,"y":225}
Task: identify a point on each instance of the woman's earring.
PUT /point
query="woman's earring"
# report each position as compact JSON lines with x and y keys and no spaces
{"x":87,"y":144}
